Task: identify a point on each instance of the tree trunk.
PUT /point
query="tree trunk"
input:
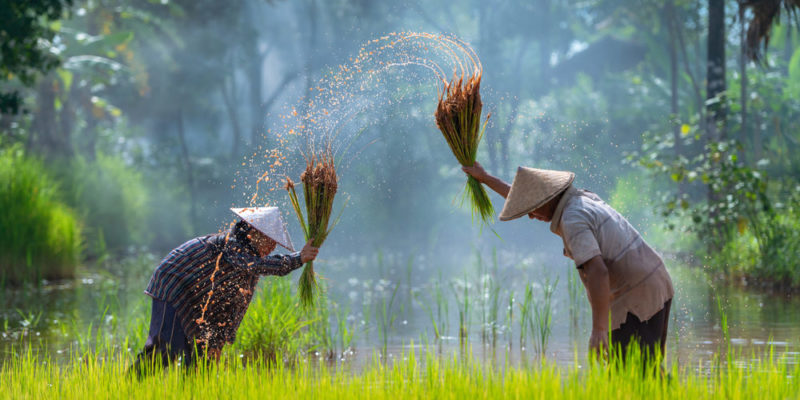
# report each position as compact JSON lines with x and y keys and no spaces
{"x":757,"y":141}
{"x":48,"y":140}
{"x":698,"y":95}
{"x":310,"y":62}
{"x":491,"y":139}
{"x":715,"y":75}
{"x":743,"y":73}
{"x":187,"y":166}
{"x":228,"y":89}
{"x":514,"y":99}
{"x":256,"y":93}
{"x":673,"y":76}
{"x":715,"y":103}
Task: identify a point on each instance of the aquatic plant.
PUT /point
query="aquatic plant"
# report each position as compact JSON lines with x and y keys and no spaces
{"x":463,"y":302}
{"x":525,"y":315}
{"x":574,"y":286}
{"x":386,"y":316}
{"x":543,"y":315}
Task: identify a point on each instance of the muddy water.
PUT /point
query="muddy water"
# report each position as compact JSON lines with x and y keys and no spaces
{"x":391,"y":300}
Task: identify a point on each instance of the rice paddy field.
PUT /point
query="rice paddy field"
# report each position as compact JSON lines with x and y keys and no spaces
{"x":384,"y":331}
{"x":412,"y":376}
{"x":164,"y":122}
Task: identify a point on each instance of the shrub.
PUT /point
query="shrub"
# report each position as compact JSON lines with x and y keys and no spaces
{"x":39,"y":235}
{"x":112,"y":199}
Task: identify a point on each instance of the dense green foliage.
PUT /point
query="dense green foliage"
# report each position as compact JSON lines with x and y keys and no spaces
{"x":570,"y":85}
{"x":21,"y":54}
{"x":740,"y":193}
{"x":40,"y":237}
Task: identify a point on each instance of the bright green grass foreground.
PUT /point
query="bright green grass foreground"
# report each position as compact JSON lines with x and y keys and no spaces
{"x":410,"y":377}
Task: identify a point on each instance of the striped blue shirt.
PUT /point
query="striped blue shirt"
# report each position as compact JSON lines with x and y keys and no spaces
{"x":210,"y":281}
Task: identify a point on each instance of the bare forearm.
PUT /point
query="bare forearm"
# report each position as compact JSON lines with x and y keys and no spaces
{"x":496,"y":184}
{"x":598,"y":287}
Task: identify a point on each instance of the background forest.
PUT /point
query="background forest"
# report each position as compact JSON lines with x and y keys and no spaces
{"x":125,"y":123}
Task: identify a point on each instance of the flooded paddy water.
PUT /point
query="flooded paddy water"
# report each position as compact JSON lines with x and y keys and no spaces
{"x":387,"y":304}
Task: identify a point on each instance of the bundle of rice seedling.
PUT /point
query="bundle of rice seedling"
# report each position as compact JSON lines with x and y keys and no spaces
{"x":319,"y":188}
{"x":458,"y":116}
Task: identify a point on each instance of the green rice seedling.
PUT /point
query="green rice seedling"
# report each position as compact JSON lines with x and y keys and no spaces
{"x":494,"y":300}
{"x":510,"y":317}
{"x":543,"y":314}
{"x":345,"y":333}
{"x":386,"y":318}
{"x":463,"y":302}
{"x":428,"y":308}
{"x":321,"y":329}
{"x":458,"y":116}
{"x":319,"y":188}
{"x":436,"y":307}
{"x":30,"y":320}
{"x":525,"y":315}
{"x":483,"y":295}
{"x":574,"y":289}
{"x":723,"y":323}
{"x":101,"y":374}
{"x":442,"y":306}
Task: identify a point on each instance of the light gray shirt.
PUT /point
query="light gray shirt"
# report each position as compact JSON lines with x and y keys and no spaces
{"x":589,"y":227}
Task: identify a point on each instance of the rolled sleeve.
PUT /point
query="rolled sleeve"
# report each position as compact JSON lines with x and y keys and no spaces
{"x":579,"y":237}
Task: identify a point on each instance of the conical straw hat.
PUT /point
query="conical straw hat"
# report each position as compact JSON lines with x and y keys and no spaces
{"x":533,"y":188}
{"x":268,"y":221}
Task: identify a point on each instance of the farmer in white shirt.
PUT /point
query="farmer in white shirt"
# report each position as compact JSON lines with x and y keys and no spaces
{"x":623,"y":276}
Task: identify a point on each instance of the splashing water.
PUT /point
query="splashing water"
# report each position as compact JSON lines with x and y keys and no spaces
{"x":343,"y":103}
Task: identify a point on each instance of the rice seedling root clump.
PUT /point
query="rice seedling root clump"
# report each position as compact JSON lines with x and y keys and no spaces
{"x":319,"y":188}
{"x":458,"y":116}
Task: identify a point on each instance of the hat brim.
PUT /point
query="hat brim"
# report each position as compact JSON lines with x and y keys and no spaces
{"x":283,"y":241}
{"x":507,"y":214}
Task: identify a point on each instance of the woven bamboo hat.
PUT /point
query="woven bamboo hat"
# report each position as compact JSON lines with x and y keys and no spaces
{"x":533,"y":188}
{"x":268,"y":221}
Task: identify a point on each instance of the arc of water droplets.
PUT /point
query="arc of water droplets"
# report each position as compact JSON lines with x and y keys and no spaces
{"x":332,"y":103}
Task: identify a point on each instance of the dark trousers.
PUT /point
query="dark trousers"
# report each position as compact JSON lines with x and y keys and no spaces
{"x":166,"y":341}
{"x":650,"y":335}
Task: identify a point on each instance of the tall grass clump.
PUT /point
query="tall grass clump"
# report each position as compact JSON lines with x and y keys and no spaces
{"x":40,"y":237}
{"x":112,"y":199}
{"x":458,"y":116}
{"x":274,"y":327}
{"x":319,"y":188}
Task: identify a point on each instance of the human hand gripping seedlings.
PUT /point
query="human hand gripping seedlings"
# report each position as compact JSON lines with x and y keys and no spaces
{"x":309,"y":252}
{"x":476,"y":171}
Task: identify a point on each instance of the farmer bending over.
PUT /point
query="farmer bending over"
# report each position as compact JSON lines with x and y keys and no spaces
{"x":623,"y":276}
{"x":201,"y":290}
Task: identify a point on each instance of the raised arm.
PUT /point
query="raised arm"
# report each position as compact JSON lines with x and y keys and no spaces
{"x":493,"y":182}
